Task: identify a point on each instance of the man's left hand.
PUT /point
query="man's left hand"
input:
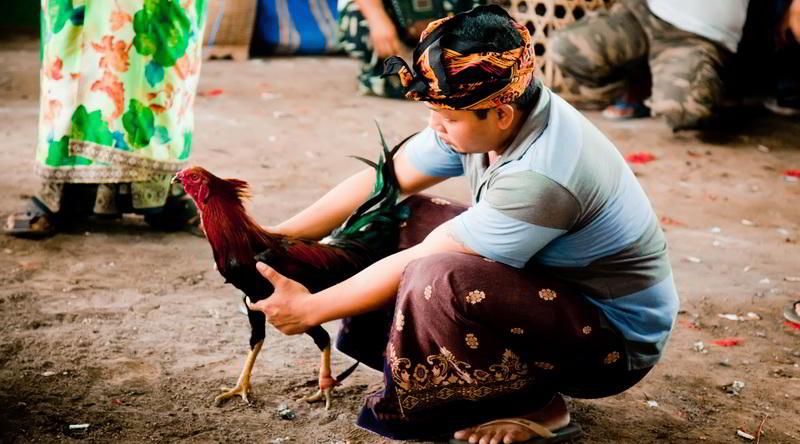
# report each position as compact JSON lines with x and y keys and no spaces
{"x":285,"y":308}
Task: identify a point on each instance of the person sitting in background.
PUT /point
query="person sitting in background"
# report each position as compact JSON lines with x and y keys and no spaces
{"x":115,"y":119}
{"x":372,"y":30}
{"x":687,"y":44}
{"x":786,"y":93}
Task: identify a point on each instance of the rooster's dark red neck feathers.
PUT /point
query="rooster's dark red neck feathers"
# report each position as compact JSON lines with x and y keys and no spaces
{"x":232,"y":233}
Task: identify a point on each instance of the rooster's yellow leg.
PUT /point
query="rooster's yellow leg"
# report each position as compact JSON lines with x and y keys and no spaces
{"x":326,"y":381}
{"x":243,"y":387}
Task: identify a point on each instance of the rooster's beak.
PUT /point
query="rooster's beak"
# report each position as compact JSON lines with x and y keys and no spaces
{"x":175,"y":179}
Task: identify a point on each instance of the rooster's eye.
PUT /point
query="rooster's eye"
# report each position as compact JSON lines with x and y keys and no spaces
{"x":195,"y":177}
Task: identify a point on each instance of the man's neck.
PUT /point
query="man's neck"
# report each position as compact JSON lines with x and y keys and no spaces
{"x":516,"y":127}
{"x":519,"y":121}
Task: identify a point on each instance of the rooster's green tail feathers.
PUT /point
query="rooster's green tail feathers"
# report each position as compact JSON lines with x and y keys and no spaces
{"x":375,"y":224}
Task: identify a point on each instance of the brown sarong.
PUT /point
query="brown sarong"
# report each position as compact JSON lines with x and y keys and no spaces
{"x":469,"y":340}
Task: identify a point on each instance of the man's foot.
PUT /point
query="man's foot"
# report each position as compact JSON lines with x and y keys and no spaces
{"x":34,"y":222}
{"x":554,"y":417}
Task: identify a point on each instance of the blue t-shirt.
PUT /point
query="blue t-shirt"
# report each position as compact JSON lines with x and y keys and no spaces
{"x":562,"y":198}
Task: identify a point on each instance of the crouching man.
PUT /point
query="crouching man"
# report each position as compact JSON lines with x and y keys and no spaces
{"x":554,"y":281}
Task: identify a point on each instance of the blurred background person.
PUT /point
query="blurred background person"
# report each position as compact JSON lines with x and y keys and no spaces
{"x":372,"y":30}
{"x":118,"y":82}
{"x":686,"y":44}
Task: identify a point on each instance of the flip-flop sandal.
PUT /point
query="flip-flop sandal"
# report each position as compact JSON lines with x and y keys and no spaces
{"x":790,"y":312}
{"x":623,"y":110}
{"x":544,"y":436}
{"x":179,"y":213}
{"x":32,"y":223}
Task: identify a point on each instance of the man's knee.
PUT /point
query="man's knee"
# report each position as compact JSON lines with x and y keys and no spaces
{"x":441,"y":278}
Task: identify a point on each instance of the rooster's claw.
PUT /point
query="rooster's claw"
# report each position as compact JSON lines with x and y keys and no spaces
{"x":238,"y":390}
{"x":326,"y":393}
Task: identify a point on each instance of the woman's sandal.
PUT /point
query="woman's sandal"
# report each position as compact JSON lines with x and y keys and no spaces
{"x":34,"y":222}
{"x":179,"y":213}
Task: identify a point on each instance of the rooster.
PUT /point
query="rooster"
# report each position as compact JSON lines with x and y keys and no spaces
{"x":238,"y":242}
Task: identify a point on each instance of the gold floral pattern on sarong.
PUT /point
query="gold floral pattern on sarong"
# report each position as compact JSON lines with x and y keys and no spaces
{"x":611,"y":358}
{"x":586,"y":330}
{"x":471,"y":340}
{"x":475,"y":296}
{"x":440,"y":201}
{"x":547,"y":294}
{"x":428,"y":292}
{"x":443,"y":377}
{"x":544,"y":365}
{"x":399,"y":321}
{"x":517,"y":331}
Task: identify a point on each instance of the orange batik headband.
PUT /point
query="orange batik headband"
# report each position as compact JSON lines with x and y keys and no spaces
{"x":465,"y":75}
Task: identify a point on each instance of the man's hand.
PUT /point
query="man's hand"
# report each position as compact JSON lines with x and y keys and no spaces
{"x":384,"y":36}
{"x":285,"y":308}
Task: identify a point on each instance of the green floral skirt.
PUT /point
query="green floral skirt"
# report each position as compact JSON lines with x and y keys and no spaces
{"x":118,"y":81}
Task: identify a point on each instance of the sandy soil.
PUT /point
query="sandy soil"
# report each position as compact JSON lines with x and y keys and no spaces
{"x":132,"y":331}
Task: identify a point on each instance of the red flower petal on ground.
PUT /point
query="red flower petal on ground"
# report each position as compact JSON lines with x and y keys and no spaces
{"x":727,"y":342}
{"x":792,"y":173}
{"x":212,"y":92}
{"x":640,"y":157}
{"x":794,"y":325}
{"x":666,"y":220}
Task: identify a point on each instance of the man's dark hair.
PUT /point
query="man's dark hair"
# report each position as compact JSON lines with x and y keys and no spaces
{"x":525,"y":102}
{"x":499,"y":35}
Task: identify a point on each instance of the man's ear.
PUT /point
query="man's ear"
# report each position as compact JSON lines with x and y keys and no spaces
{"x":505,"y":115}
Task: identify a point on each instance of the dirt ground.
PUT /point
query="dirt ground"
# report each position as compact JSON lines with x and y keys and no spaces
{"x":132,"y":331}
